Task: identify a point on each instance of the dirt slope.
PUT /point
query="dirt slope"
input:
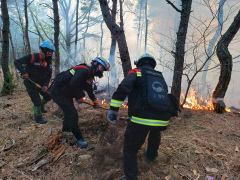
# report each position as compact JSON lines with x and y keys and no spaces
{"x":197,"y":145}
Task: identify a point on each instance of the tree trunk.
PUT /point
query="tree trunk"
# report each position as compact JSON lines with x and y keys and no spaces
{"x":12,"y":45}
{"x":76,"y":35}
{"x":225,"y":59}
{"x":114,"y":79}
{"x":8,"y":84}
{"x":56,"y":36}
{"x":139,"y":28}
{"x":35,"y":25}
{"x":28,"y":47}
{"x":86,"y":30}
{"x":212,"y":44}
{"x":180,"y":48}
{"x":21,"y":23}
{"x":101,"y":39}
{"x":146,"y":26}
{"x":119,"y":34}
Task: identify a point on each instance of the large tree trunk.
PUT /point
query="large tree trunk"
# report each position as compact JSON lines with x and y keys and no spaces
{"x":28,"y":47}
{"x":225,"y":59}
{"x":118,"y":33}
{"x":211,"y":46}
{"x":180,"y":48}
{"x":7,"y":85}
{"x":56,"y":36}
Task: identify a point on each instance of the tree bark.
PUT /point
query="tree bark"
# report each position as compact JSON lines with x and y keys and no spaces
{"x":76,"y":36}
{"x":56,"y":35}
{"x":101,"y":39}
{"x":146,"y":26}
{"x":7,"y":85}
{"x":12,"y":45}
{"x":118,"y":33}
{"x":113,"y":73}
{"x":225,"y":59}
{"x":180,"y":48}
{"x":212,"y":44}
{"x":35,"y":24}
{"x":28,"y":46}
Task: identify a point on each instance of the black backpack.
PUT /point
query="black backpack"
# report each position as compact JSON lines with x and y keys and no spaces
{"x":154,"y":90}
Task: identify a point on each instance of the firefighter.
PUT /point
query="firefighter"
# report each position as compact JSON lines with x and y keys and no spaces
{"x":36,"y":69}
{"x":72,"y":84}
{"x":145,"y":88}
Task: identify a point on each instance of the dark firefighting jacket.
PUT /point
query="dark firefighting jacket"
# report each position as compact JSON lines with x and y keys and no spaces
{"x":39,"y":69}
{"x":74,"y":81}
{"x":137,"y":110}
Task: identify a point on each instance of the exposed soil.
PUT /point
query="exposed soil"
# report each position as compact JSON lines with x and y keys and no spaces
{"x":197,"y":145}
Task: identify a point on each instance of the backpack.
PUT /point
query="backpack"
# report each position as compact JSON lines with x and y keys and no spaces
{"x":155,"y":90}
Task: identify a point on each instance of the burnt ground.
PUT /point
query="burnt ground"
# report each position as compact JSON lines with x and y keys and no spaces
{"x":197,"y":145}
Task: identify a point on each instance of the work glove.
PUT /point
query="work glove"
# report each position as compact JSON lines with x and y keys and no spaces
{"x":112,"y":116}
{"x":79,"y":101}
{"x":44,"y":89}
{"x":25,"y":76}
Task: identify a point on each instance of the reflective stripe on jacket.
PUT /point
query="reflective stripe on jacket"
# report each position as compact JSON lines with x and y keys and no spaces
{"x":73,"y":70}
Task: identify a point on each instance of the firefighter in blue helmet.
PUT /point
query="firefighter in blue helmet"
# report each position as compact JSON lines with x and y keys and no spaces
{"x":37,"y":68}
{"x":72,"y":84}
{"x":149,"y":109}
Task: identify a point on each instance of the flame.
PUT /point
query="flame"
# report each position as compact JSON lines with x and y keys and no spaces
{"x":104,"y":104}
{"x":193,"y":101}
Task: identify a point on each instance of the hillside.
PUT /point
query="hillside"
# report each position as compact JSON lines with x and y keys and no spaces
{"x":197,"y":145}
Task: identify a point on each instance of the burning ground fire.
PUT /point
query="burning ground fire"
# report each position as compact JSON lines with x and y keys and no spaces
{"x":193,"y":101}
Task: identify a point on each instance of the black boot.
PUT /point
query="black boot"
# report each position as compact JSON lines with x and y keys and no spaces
{"x":38,"y":115}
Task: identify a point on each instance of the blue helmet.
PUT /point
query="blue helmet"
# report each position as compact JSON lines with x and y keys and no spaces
{"x":146,"y":58}
{"x":103,"y":62}
{"x":48,"y":45}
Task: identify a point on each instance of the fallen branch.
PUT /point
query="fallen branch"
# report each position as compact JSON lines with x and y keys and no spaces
{"x":41,"y":163}
{"x":8,"y":147}
{"x":34,"y":161}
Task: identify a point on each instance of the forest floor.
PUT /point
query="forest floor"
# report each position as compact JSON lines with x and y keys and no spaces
{"x":197,"y":145}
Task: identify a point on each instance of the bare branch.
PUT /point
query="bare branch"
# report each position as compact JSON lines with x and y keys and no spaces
{"x":171,"y":4}
{"x":46,"y":5}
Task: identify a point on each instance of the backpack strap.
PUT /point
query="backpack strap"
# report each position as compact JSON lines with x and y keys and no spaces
{"x":136,"y":71}
{"x":32,"y":59}
{"x":73,"y":70}
{"x":42,"y":61}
